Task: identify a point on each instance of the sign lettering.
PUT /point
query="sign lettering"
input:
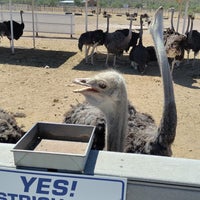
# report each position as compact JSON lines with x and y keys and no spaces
{"x":34,"y":185}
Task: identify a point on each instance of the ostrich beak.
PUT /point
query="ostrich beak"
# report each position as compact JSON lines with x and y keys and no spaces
{"x":84,"y":82}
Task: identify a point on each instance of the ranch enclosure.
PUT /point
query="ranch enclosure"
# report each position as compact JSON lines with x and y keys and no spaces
{"x":38,"y":82}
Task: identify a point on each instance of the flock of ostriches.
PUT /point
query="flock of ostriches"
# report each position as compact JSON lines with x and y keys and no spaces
{"x":122,"y":39}
{"x":119,"y":126}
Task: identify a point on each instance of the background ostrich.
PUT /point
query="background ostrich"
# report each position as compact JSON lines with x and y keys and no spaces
{"x":10,"y":132}
{"x":171,"y":29}
{"x":92,"y":39}
{"x":187,"y":46}
{"x":17,"y":28}
{"x":116,"y":42}
{"x":133,"y":40}
{"x":152,"y":53}
{"x":138,"y":55}
{"x":107,"y":91}
{"x":4,"y":31}
{"x":174,"y":46}
{"x":193,"y":40}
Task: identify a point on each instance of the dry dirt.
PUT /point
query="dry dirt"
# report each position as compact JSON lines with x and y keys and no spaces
{"x":38,"y":82}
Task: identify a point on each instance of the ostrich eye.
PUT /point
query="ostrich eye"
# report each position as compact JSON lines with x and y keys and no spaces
{"x":102,"y":85}
{"x":83,"y":81}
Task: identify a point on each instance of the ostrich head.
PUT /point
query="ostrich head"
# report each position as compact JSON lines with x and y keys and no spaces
{"x":107,"y":91}
{"x":103,"y":90}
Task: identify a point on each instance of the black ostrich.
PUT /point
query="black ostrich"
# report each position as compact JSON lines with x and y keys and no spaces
{"x":4,"y":30}
{"x":116,"y":42}
{"x":187,"y":45}
{"x":17,"y":28}
{"x":192,"y":40}
{"x":139,"y":55}
{"x":91,"y":39}
{"x":126,"y":129}
{"x":10,"y":132}
{"x":152,"y":53}
{"x":133,"y":40}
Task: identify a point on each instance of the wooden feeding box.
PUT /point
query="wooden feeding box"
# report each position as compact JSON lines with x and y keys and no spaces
{"x":55,"y":146}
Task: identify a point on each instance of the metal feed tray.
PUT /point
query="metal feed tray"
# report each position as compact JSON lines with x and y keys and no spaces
{"x":55,"y":146}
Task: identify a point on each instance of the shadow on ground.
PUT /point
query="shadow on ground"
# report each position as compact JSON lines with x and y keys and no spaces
{"x":34,"y":57}
{"x":185,"y":75}
{"x":123,"y":65}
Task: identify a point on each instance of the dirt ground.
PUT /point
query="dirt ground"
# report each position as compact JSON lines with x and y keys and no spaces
{"x":38,"y":82}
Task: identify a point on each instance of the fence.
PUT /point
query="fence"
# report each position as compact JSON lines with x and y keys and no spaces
{"x":44,"y":23}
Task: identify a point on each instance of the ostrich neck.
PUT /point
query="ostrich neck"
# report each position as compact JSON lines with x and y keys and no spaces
{"x":141,"y":31}
{"x":130,"y":28}
{"x":172,"y":20}
{"x":107,"y":30}
{"x":116,"y":117}
{"x":166,"y":132}
{"x":188,"y":24}
{"x":190,"y":33}
{"x":21,"y":18}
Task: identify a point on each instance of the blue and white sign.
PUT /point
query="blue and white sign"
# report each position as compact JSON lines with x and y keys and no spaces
{"x":33,"y":185}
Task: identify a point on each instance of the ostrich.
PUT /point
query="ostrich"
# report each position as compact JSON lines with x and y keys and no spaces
{"x":92,"y":39}
{"x":17,"y":28}
{"x":193,"y":39}
{"x":138,"y":55}
{"x":133,"y":40}
{"x":174,"y":46}
{"x":152,"y":53}
{"x":4,"y":30}
{"x":187,"y":46}
{"x":116,"y":42}
{"x":84,"y":113}
{"x":147,"y":18}
{"x":135,"y":133}
{"x":10,"y":132}
{"x":170,"y":30}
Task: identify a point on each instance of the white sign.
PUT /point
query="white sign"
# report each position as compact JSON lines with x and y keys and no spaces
{"x":36,"y":185}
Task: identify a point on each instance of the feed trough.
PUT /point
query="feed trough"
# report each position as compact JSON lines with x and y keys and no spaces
{"x":55,"y":146}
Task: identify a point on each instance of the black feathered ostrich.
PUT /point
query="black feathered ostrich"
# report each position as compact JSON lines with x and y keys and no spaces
{"x":126,"y":129}
{"x":18,"y":28}
{"x":192,"y":40}
{"x":139,"y":55}
{"x":187,"y":45}
{"x":116,"y":42}
{"x":4,"y":31}
{"x":91,"y":39}
{"x":133,"y":40}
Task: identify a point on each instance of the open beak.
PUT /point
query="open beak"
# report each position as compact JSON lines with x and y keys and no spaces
{"x":84,"y":82}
